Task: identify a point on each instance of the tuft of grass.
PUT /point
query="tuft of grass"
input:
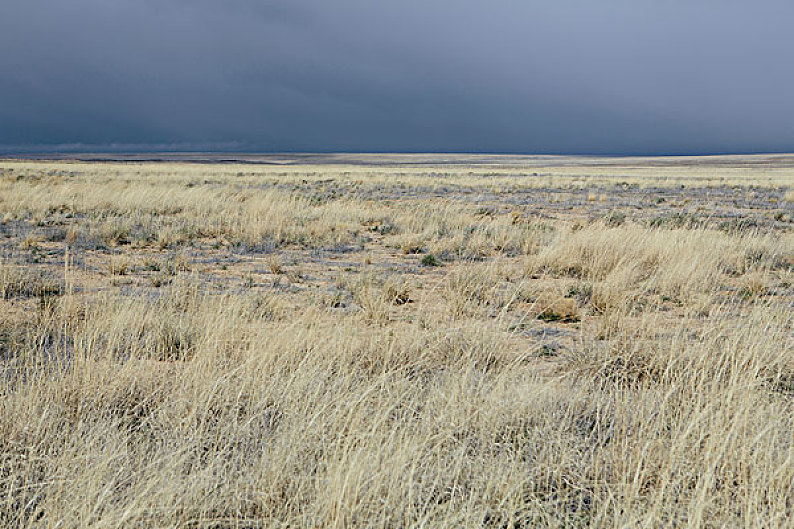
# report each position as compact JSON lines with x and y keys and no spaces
{"x":19,"y":281}
{"x":412,"y":247}
{"x":676,"y":220}
{"x":430,"y":260}
{"x":614,"y":219}
{"x":119,"y":265}
{"x":274,"y":265}
{"x":561,"y":310}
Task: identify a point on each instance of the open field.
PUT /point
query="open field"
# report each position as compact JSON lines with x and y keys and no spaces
{"x":397,"y":342}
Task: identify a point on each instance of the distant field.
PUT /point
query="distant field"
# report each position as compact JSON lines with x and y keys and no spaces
{"x":397,"y":341}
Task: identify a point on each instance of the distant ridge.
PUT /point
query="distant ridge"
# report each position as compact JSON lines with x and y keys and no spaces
{"x":390,"y":159}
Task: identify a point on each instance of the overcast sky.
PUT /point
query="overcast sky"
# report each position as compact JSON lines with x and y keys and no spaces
{"x":559,"y":76}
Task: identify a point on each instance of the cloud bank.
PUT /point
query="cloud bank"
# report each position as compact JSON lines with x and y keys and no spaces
{"x":569,"y":76}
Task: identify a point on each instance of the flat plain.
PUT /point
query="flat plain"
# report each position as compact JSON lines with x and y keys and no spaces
{"x":397,"y":341}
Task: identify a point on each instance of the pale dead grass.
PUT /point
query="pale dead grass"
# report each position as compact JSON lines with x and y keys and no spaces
{"x":213,"y":352}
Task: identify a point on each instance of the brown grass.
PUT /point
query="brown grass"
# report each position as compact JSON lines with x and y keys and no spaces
{"x":253,"y":346}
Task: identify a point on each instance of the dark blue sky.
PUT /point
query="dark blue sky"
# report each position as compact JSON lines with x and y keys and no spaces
{"x":561,"y":76}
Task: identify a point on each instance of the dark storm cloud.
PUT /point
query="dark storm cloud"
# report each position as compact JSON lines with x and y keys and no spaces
{"x":615,"y":76}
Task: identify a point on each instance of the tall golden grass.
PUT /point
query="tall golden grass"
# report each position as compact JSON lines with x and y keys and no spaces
{"x":216,"y":350}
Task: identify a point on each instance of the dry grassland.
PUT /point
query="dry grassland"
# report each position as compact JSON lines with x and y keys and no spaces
{"x":583,"y":344}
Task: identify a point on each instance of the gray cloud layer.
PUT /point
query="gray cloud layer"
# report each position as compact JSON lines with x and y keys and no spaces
{"x":610,"y":76}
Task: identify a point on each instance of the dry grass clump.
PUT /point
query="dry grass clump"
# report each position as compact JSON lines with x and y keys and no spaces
{"x":118,"y":265}
{"x":557,"y":308}
{"x":376,"y":296}
{"x":118,"y":213}
{"x":671,"y":263}
{"x":16,"y":280}
{"x":177,"y":323}
{"x":478,"y":289}
{"x":253,"y":346}
{"x":443,"y":229}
